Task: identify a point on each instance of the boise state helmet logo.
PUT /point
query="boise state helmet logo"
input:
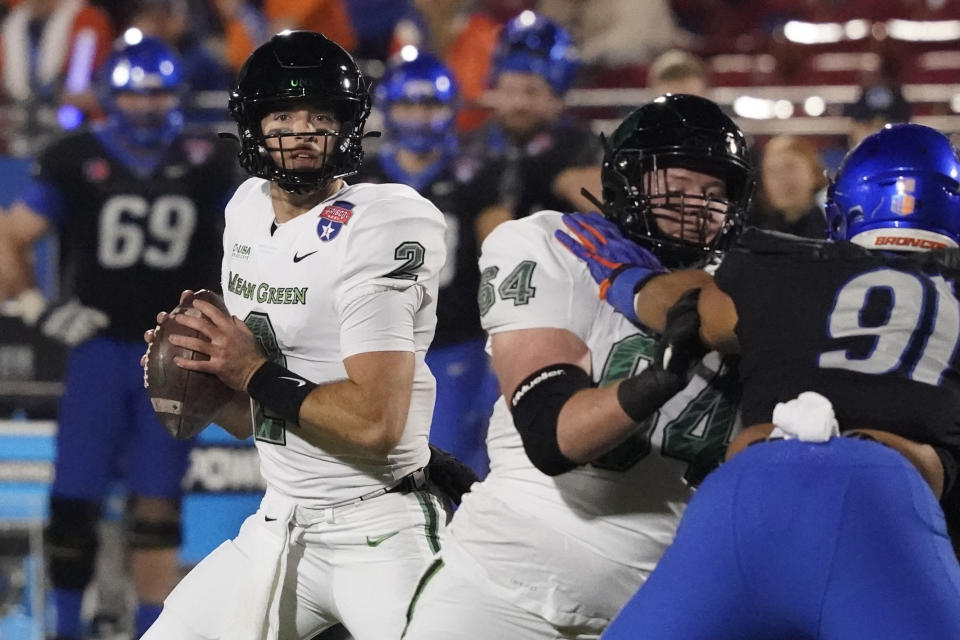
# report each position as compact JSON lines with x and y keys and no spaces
{"x":904,"y":201}
{"x":332,"y":219}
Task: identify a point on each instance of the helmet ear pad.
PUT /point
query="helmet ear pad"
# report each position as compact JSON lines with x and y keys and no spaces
{"x":301,"y":68}
{"x":675,"y":131}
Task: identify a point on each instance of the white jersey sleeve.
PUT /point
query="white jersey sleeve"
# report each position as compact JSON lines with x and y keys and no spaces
{"x":390,"y":271}
{"x":529,"y":280}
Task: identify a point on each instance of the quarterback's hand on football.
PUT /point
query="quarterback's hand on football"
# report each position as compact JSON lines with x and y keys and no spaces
{"x":231,"y":346}
{"x":680,"y":349}
{"x":618,"y":265}
{"x":72,"y":322}
{"x":150,"y":334}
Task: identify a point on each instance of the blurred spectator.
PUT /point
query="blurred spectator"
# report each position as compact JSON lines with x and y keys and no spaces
{"x":503,"y":11}
{"x":374,"y":22}
{"x":169,"y":20}
{"x":50,"y":51}
{"x":460,"y":35}
{"x":877,"y":105}
{"x":246,"y":26}
{"x":792,"y":179}
{"x":615,"y":32}
{"x":328,"y":17}
{"x":531,"y":156}
{"x":678,"y":71}
{"x":418,"y":100}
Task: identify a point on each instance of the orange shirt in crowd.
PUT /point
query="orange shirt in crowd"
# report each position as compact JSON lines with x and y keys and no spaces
{"x":69,"y":22}
{"x":468,"y":57}
{"x":328,"y":17}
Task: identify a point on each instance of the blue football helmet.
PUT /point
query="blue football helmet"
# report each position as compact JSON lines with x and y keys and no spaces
{"x":422,"y":80}
{"x":898,"y":190}
{"x":533,"y":44}
{"x":147,"y":67}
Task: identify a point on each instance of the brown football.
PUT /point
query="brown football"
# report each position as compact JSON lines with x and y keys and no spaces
{"x":185,"y":401}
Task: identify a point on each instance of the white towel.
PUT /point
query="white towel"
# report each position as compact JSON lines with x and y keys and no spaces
{"x":808,"y":417}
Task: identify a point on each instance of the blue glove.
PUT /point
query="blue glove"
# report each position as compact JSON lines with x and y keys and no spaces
{"x":618,"y":265}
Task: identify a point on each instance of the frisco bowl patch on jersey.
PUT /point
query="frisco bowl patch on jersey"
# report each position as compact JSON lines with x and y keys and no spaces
{"x":332,"y":219}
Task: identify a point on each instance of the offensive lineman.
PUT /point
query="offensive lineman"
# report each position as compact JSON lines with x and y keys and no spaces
{"x":813,"y":534}
{"x":336,"y":285}
{"x":586,"y":484}
{"x":137,"y":205}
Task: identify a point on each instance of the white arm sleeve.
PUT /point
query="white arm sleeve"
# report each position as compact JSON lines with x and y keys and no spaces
{"x":380,"y":320}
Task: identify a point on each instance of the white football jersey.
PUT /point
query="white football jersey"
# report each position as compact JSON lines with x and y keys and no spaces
{"x":298,"y":286}
{"x":624,"y":507}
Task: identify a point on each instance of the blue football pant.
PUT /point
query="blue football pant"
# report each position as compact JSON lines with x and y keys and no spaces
{"x":835,"y":541}
{"x":107,"y":428}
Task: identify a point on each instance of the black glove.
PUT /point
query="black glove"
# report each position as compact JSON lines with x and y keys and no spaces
{"x":448,"y":475}
{"x":677,"y":354}
{"x":680,"y":349}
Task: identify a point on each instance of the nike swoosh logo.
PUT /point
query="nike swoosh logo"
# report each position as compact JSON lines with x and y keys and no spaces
{"x":297,"y":258}
{"x":299,"y":382}
{"x":269,"y":519}
{"x":373,"y":542}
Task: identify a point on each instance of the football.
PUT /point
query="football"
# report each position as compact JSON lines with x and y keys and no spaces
{"x":184,"y":401}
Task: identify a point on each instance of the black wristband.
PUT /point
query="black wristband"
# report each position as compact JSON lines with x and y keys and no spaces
{"x":643,"y":394}
{"x":279,"y":390}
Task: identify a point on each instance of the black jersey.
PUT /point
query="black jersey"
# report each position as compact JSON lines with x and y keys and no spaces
{"x":130,"y":244}
{"x":525,"y":175}
{"x":874,"y":332}
{"x":458,"y":316}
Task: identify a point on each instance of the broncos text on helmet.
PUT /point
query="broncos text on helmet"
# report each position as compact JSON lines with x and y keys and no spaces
{"x":300,"y":69}
{"x":898,"y":190}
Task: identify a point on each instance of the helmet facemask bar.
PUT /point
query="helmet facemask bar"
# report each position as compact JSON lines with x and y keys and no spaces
{"x":339,"y":153}
{"x":684,"y":228}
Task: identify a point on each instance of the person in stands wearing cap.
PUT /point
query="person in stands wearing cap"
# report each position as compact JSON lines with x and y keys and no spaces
{"x":530,"y":156}
{"x":878,"y":105}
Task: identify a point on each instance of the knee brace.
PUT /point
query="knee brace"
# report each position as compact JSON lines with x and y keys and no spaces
{"x":153,"y":534}
{"x":71,"y":541}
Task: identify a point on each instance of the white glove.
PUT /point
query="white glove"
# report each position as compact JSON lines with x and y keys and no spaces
{"x":73,"y":323}
{"x":808,"y":417}
{"x":28,"y":306}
